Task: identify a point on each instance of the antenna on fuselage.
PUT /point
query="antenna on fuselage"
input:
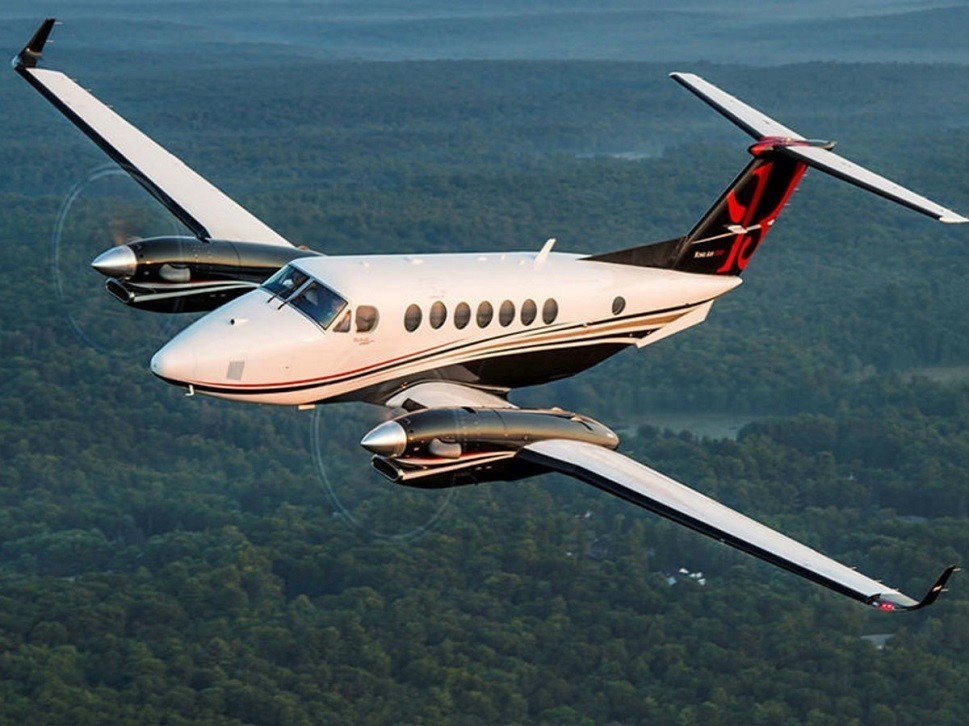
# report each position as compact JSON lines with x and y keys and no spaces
{"x":546,"y":249}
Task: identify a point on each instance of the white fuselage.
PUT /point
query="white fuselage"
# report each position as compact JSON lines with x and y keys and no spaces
{"x":258,"y":348}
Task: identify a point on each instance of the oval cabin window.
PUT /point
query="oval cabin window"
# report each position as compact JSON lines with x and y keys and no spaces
{"x":550,"y":311}
{"x":618,"y":304}
{"x":462,"y":315}
{"x":506,"y":313}
{"x":485,"y":314}
{"x":529,"y":312}
{"x":412,"y":318}
{"x":437,"y":315}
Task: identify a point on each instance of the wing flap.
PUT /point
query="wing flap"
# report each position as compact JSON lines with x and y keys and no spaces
{"x":618,"y":475}
{"x":207,"y":211}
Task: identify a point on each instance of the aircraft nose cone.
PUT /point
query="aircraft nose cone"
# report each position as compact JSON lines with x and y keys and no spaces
{"x":174,"y":363}
{"x":116,"y":262}
{"x":388,"y":439}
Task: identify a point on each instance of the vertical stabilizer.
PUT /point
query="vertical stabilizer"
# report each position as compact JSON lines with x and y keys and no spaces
{"x":727,"y":236}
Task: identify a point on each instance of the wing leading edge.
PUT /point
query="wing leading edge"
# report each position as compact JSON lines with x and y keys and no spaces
{"x":618,"y":475}
{"x":207,"y":211}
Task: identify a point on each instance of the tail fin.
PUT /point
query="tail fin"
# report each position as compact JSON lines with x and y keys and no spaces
{"x":727,"y":236}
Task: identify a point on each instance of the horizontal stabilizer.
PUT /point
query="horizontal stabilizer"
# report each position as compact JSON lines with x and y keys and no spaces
{"x":746,"y":117}
{"x":725,"y":238}
{"x":840,"y":167}
{"x":777,"y":138}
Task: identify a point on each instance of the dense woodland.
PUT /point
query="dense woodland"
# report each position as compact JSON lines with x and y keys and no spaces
{"x":171,"y":560}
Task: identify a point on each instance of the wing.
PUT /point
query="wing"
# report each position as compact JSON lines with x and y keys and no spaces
{"x":208,"y":212}
{"x":614,"y":473}
{"x":455,"y":434}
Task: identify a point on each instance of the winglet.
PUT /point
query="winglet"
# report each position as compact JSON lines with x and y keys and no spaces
{"x":32,"y":52}
{"x":900,"y":602}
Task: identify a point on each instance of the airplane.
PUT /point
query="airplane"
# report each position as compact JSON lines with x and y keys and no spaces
{"x":442,"y":339}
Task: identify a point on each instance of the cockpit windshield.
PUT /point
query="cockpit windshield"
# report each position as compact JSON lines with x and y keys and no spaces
{"x":309,"y":296}
{"x":285,"y":282}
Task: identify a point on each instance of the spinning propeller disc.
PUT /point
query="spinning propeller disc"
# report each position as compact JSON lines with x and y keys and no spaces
{"x":107,"y":208}
{"x":361,"y":498}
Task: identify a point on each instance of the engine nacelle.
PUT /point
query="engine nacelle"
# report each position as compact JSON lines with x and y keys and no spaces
{"x":185,"y":274}
{"x":445,"y":447}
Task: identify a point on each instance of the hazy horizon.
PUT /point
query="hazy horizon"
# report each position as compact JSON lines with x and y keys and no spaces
{"x":909,"y":31}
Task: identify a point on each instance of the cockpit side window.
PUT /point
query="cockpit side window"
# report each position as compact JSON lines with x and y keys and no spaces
{"x":344,"y":325}
{"x":310,"y":296}
{"x":318,"y":302}
{"x":285,"y":282}
{"x":367,"y":318}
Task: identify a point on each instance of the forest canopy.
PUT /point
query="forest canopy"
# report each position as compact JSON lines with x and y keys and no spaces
{"x":171,"y":560}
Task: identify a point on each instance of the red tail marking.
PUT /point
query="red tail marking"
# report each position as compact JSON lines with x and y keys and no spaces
{"x":746,"y":243}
